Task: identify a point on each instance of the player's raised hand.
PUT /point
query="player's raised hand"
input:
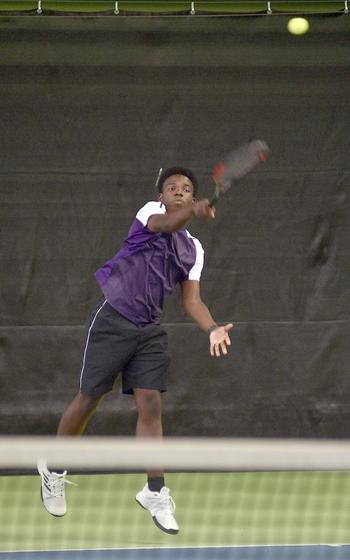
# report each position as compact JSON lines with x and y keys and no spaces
{"x":219,"y":340}
{"x":201,"y":209}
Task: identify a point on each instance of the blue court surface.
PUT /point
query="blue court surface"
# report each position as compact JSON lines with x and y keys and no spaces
{"x":305,"y":552}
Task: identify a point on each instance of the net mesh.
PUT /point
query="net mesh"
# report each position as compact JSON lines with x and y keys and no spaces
{"x":234,"y":499}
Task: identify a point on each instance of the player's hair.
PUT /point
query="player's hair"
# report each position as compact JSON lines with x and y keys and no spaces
{"x":177,"y":171}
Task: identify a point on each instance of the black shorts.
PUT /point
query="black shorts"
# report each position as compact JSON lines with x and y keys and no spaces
{"x":115,"y":345}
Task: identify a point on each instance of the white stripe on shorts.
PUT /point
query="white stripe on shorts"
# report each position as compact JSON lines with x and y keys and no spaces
{"x":87,"y":342}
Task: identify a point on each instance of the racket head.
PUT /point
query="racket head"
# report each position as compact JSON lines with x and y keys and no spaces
{"x":238,"y":163}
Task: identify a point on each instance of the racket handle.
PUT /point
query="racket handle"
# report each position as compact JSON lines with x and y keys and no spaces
{"x":214,"y":200}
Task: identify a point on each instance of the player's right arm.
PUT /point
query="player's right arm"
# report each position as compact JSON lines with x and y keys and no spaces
{"x":178,"y":219}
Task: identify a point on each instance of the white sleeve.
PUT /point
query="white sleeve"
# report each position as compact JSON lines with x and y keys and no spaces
{"x":196,"y":270}
{"x":148,"y":210}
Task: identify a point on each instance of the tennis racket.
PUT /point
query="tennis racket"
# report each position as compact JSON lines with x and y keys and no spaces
{"x":237,"y":164}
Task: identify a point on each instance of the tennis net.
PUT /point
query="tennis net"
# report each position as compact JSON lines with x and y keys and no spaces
{"x":235,"y":499}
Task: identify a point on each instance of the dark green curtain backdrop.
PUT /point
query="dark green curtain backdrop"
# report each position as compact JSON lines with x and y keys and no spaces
{"x":90,"y":109}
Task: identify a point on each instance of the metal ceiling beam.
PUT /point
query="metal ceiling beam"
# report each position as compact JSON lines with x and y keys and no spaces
{"x":185,"y":7}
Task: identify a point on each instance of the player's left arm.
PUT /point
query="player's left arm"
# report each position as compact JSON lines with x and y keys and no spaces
{"x":199,"y":312}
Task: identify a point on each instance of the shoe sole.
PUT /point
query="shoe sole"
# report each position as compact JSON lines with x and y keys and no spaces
{"x":53,"y":514}
{"x":168,"y":531}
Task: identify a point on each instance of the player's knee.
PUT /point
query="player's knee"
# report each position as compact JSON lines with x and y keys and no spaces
{"x":149,"y":405}
{"x":87,"y":403}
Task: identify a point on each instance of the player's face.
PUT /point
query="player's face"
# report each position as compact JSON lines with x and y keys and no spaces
{"x":177,"y":192}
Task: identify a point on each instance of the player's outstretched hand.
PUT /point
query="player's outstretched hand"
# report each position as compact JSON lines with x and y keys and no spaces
{"x":219,"y":340}
{"x":201,"y":209}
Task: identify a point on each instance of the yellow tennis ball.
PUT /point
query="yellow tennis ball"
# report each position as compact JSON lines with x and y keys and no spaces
{"x":298,"y":26}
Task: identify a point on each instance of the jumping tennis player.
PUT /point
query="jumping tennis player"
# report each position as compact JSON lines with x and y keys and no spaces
{"x":125,"y":334}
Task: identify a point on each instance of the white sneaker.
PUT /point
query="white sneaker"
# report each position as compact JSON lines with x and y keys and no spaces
{"x":52,"y":490}
{"x":162,"y":508}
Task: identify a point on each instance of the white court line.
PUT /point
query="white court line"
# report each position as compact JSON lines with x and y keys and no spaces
{"x":274,"y":545}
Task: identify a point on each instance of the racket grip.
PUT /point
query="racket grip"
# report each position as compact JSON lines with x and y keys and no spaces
{"x":214,"y":200}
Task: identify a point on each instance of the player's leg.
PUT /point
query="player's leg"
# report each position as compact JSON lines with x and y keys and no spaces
{"x":72,"y":423}
{"x":149,"y":424}
{"x":149,"y":408}
{"x":155,"y":496}
{"x":77,"y":414}
{"x":145,"y":377}
{"x":109,"y":343}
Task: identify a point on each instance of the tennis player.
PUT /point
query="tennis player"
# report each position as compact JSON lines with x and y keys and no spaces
{"x":125,"y":334}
